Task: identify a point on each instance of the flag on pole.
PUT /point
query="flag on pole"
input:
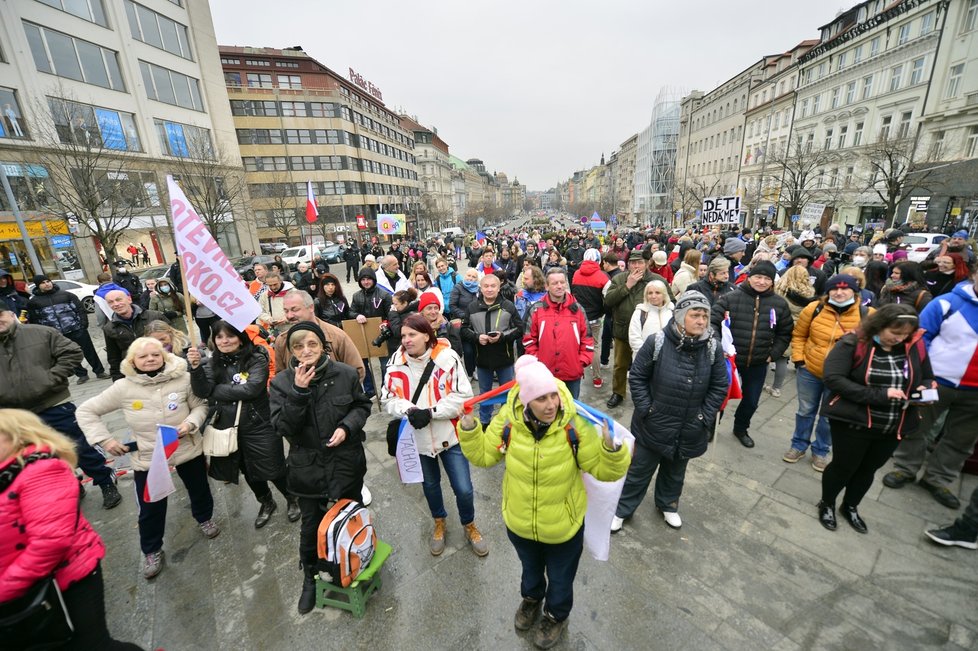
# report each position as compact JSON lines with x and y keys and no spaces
{"x":480,"y":237}
{"x":312,"y":210}
{"x":159,"y":483}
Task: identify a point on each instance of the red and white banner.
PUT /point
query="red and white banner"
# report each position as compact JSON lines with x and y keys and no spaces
{"x":210,"y":277}
{"x":312,"y":210}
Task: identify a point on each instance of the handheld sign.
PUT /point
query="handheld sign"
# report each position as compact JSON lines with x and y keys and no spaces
{"x":721,"y":210}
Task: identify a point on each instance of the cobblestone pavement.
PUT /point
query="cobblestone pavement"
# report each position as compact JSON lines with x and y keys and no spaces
{"x":750,"y":569}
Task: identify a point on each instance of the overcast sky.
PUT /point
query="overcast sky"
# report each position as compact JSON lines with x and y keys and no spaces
{"x":535,"y":88}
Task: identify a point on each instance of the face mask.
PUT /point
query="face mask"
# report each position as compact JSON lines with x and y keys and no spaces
{"x":164,"y":290}
{"x":843,"y":303}
{"x":859,"y":260}
{"x":876,"y":338}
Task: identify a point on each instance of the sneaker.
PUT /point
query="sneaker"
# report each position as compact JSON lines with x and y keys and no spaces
{"x":943,"y":496}
{"x":209,"y":528}
{"x":527,"y":614}
{"x":954,"y":536}
{"x":793,"y":455}
{"x":616,"y":524}
{"x":437,"y":542}
{"x":479,"y":546}
{"x":598,"y":383}
{"x":82,"y":380}
{"x":819,"y":462}
{"x":766,"y":388}
{"x":775,"y":393}
{"x":153,"y":564}
{"x":549,"y":632}
{"x":672,"y":519}
{"x":110,"y":496}
{"x":605,"y":365}
{"x":365,"y":496}
{"x":897,"y":479}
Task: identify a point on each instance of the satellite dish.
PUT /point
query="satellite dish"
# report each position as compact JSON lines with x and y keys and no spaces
{"x":481,"y":222}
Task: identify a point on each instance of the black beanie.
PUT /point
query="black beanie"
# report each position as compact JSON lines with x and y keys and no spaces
{"x":307,"y":326}
{"x":763,"y":268}
{"x":40,"y":278}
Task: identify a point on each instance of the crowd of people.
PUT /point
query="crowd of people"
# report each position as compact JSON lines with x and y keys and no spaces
{"x":884,"y":352}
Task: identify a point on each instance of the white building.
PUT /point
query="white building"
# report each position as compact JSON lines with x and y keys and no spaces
{"x":655,"y":161}
{"x":141,"y":85}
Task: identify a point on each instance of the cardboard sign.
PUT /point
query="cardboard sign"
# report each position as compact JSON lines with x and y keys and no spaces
{"x":720,"y":210}
{"x":362,"y":335}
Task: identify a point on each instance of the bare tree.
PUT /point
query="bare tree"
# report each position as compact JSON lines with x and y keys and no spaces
{"x":94,"y":176}
{"x":894,"y":172}
{"x":279,"y":205}
{"x":800,"y":166}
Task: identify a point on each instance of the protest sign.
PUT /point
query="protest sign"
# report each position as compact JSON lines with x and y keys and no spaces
{"x":720,"y":210}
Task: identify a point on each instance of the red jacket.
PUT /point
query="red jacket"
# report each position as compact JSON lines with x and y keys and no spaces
{"x":38,"y":519}
{"x":665,"y":271}
{"x":557,"y":334}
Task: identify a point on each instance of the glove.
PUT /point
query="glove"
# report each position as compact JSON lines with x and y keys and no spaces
{"x":171,"y":314}
{"x":419,"y":417}
{"x":800,"y":364}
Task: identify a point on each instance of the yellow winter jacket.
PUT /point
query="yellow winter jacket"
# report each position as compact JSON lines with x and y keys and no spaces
{"x":813,"y":338}
{"x":543,"y":493}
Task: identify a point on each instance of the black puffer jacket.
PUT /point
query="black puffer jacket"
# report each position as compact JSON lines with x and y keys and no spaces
{"x":307,"y":418}
{"x":58,"y":309}
{"x":333,"y":310}
{"x":369,"y":302}
{"x":120,"y":334}
{"x":674,"y":407}
{"x":761,"y":324}
{"x":712,"y":291}
{"x":482,"y":319}
{"x":226,"y":379}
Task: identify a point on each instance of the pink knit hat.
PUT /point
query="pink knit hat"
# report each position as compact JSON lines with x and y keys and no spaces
{"x":534,"y":378}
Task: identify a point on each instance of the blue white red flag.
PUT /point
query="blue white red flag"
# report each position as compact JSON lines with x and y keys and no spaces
{"x":159,"y":483}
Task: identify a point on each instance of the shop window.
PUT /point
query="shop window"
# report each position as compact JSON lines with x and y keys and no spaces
{"x":93,"y":126}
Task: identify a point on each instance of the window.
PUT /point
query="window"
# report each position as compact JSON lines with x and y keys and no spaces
{"x":815,"y":102}
{"x":286,"y":64}
{"x":896,"y":74}
{"x":90,"y":10}
{"x":821,"y":70}
{"x":857,"y":54}
{"x":171,"y":87}
{"x":834,"y":177}
{"x":67,"y":56}
{"x":954,"y":80}
{"x":847,"y":182}
{"x":258,"y":63}
{"x":230,"y":62}
{"x":971,"y":16}
{"x":927,"y":23}
{"x":12,"y":123}
{"x":184,"y":140}
{"x":843,"y":130}
{"x":289,"y":81}
{"x":93,"y":126}
{"x":159,"y":31}
{"x":867,"y":87}
{"x":294,"y":109}
{"x":874,"y":47}
{"x":903,"y":131}
{"x":835,"y":97}
{"x":841,"y":62}
{"x":917,"y":71}
{"x":256,"y":80}
{"x":232,"y":78}
{"x":904,"y":34}
{"x":937,"y":146}
{"x":857,"y":135}
{"x":971,"y":144}
{"x":885,"y":127}
{"x":810,"y":142}
{"x":808,"y":75}
{"x":850,"y":92}
{"x":828,"y":140}
{"x":254,"y":108}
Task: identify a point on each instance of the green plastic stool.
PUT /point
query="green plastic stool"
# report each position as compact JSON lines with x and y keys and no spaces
{"x":355,"y":597}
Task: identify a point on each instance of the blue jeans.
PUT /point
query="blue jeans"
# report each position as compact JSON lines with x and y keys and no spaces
{"x":559,"y":561}
{"x":457,"y":469}
{"x":574,"y":386}
{"x":811,"y":390}
{"x":486,"y":376}
{"x":62,"y":419}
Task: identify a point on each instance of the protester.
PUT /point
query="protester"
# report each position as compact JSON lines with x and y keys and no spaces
{"x":588,"y":287}
{"x":870,"y":375}
{"x":128,"y":323}
{"x":372,"y":301}
{"x":795,"y":287}
{"x":678,"y":382}
{"x":351,"y":255}
{"x":688,"y":272}
{"x":318,"y":406}
{"x":464,"y":293}
{"x":905,"y":285}
{"x":46,"y":533}
{"x":451,"y":331}
{"x":235,"y":381}
{"x":331,"y":306}
{"x":950,"y":270}
{"x":169,"y":302}
{"x":650,"y":316}
{"x":149,"y":372}
{"x":126,"y":280}
{"x":390,"y":279}
{"x":271,"y":301}
{"x":543,"y":494}
{"x":658,"y":264}
{"x":300,"y":307}
{"x":445,"y":281}
{"x":963,"y":532}
{"x":717,"y":281}
{"x":14,"y":300}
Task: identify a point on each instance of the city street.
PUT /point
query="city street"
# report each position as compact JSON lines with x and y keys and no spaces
{"x":751,"y":568}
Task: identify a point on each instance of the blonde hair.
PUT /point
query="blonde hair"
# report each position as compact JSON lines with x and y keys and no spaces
{"x":797,"y":280}
{"x":178,"y":340}
{"x":137,"y":347}
{"x":658,"y":285}
{"x":856,"y":273}
{"x":23,"y":428}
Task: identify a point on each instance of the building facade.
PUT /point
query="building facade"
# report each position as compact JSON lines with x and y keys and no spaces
{"x":127,"y":92}
{"x":436,"y":176}
{"x":624,"y":180}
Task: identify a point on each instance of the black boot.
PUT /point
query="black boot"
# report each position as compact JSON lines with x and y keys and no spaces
{"x":294,"y":513}
{"x":268,"y":507}
{"x":307,"y":600}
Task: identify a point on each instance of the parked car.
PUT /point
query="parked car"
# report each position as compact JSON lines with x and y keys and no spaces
{"x":921,"y":244}
{"x":84,"y":292}
{"x":332,"y":252}
{"x":244,"y":264}
{"x":153,"y":273}
{"x":273,"y":247}
{"x":329,"y":250}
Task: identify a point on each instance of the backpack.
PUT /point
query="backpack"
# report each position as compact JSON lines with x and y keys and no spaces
{"x":572,"y":440}
{"x":345,"y":542}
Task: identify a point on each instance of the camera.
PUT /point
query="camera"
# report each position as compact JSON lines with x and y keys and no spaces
{"x":385,"y":334}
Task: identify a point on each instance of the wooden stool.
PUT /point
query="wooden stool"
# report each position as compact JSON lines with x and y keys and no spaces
{"x":355,"y":597}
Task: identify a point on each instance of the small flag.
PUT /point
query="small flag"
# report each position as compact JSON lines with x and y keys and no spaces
{"x":312,"y":210}
{"x":159,"y":483}
{"x":480,"y":237}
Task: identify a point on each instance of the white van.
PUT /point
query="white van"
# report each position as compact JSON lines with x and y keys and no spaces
{"x":452,"y":231}
{"x":297,"y":254}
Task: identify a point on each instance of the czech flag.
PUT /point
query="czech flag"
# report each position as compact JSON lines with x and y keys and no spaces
{"x":159,"y":483}
{"x":312,"y":210}
{"x":480,"y":237}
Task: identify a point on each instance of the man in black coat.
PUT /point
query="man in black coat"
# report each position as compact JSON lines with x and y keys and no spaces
{"x":369,"y":301}
{"x":717,"y":281}
{"x":761,"y":325}
{"x":128,"y":281}
{"x":60,"y":309}
{"x":128,"y":323}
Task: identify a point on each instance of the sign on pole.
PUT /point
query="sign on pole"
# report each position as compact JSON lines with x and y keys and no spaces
{"x":209,"y":276}
{"x":721,"y":210}
{"x":392,"y":224}
{"x":812,"y":212}
{"x":361,"y":222}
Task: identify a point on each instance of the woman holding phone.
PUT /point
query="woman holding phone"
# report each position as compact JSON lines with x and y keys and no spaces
{"x":876,"y":378}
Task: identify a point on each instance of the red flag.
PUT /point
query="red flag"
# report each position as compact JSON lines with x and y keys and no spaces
{"x":312,"y":210}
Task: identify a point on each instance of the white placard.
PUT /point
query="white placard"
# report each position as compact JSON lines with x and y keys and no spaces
{"x":210,"y":277}
{"x":720,"y":210}
{"x":408,"y":458}
{"x":812,"y":213}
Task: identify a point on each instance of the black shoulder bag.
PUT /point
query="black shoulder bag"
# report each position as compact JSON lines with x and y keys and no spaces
{"x":394,"y":426}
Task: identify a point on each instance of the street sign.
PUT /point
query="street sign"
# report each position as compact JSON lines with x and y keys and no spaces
{"x":583,"y":220}
{"x":770,"y":211}
{"x":721,"y":210}
{"x":361,"y":222}
{"x":795,"y":218}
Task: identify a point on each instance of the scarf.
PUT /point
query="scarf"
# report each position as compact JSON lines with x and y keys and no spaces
{"x":321,"y":367}
{"x":891,"y":287}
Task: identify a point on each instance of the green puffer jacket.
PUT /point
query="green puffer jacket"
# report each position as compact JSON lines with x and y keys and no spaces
{"x":543,"y":493}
